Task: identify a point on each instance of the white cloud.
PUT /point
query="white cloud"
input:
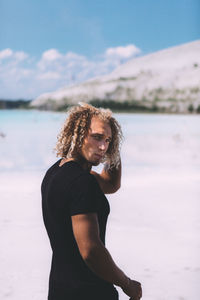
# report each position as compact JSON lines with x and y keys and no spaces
{"x":49,"y":76}
{"x":15,"y":56}
{"x":52,"y":60}
{"x":74,"y":56}
{"x":123,"y":52}
{"x":6,"y":53}
{"x":51,"y":55}
{"x":20,"y":56}
{"x":28,"y":78}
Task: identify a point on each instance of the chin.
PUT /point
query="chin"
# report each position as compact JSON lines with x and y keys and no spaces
{"x":95,"y":163}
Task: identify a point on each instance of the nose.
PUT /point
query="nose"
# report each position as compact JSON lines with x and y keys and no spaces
{"x":102,"y":146}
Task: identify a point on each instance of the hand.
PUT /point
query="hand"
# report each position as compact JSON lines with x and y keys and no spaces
{"x":133,"y":289}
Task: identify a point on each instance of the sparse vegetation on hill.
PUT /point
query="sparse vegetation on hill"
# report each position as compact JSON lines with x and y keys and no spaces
{"x":13,"y":104}
{"x":127,"y":106}
{"x":134,"y":106}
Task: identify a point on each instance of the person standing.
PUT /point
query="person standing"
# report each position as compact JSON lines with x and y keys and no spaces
{"x":75,"y":209}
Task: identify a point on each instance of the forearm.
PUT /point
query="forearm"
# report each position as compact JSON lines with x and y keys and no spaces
{"x":109,"y":179}
{"x":113,"y":175}
{"x":101,"y":263}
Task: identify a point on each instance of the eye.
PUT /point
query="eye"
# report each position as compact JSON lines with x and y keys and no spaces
{"x":108,"y":141}
{"x":97,"y":137}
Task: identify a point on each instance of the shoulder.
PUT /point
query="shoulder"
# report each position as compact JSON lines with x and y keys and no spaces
{"x":84,"y":195}
{"x":84,"y":180}
{"x":53,"y":167}
{"x":85,"y":183}
{"x":50,"y":171}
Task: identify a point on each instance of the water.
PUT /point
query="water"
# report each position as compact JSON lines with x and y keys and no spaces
{"x":156,"y":140}
{"x":153,"y":229}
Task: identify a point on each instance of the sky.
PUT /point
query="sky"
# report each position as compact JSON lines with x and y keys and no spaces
{"x":46,"y":45}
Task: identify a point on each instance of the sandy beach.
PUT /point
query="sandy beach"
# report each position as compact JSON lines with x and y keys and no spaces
{"x":153,"y":227}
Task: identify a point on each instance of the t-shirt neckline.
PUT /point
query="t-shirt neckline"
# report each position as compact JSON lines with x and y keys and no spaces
{"x":66,"y":163}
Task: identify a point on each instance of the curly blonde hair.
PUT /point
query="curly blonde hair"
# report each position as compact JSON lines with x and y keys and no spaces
{"x":76,"y":127}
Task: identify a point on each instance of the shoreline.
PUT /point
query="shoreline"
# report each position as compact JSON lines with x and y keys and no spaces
{"x":132,"y":107}
{"x":113,"y":110}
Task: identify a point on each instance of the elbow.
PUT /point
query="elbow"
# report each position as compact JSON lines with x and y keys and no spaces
{"x":115,"y":188}
{"x":89,"y":254}
{"x":118,"y":186}
{"x":86,"y":254}
{"x":87,"y":257}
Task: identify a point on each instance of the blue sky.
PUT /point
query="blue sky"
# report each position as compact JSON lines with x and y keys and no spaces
{"x":38,"y":37}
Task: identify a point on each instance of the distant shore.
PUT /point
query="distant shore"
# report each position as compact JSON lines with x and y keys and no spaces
{"x":15,"y":104}
{"x":126,"y":106}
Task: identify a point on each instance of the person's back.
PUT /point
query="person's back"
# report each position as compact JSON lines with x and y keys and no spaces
{"x":69,"y":190}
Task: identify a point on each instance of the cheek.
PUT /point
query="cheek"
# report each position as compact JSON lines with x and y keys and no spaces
{"x":92,"y":144}
{"x":109,"y":148}
{"x":84,"y":149}
{"x":87,"y":148}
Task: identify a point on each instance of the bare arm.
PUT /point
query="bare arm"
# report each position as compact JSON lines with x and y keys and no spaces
{"x":97,"y":257}
{"x":109,"y":180}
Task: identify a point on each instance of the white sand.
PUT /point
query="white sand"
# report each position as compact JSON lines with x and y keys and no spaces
{"x":153,"y":229}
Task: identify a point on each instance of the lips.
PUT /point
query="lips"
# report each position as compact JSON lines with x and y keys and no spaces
{"x":99,"y":156}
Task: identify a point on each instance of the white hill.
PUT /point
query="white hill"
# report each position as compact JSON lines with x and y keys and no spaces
{"x":167,"y":80}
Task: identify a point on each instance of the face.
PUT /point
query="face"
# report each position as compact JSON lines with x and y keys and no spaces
{"x":96,"y":143}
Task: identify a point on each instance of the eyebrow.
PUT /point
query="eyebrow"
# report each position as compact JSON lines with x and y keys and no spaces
{"x":100,"y":135}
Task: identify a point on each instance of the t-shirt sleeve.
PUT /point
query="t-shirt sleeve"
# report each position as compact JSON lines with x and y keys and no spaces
{"x":85,"y":195}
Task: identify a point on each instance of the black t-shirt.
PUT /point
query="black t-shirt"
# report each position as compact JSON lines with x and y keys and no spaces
{"x":66,"y":191}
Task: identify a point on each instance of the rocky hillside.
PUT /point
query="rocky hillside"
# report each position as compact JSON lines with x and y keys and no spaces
{"x":167,"y":80}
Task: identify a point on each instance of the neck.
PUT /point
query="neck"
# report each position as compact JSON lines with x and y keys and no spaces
{"x":83,"y":163}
